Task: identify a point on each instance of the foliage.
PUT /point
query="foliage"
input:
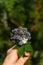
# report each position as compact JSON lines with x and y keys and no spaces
{"x":24,"y":48}
{"x":25,"y":13}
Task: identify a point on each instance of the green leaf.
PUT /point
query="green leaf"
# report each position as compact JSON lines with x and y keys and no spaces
{"x":24,"y":48}
{"x":28,"y":46}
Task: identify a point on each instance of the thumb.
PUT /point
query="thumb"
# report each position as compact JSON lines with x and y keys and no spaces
{"x":23,"y":59}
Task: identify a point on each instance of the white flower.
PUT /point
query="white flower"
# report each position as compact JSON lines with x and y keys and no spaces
{"x":24,"y":40}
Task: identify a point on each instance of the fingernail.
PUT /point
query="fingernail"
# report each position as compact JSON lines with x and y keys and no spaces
{"x":26,"y":54}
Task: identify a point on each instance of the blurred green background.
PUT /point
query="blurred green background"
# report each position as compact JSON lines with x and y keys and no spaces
{"x":25,"y":13}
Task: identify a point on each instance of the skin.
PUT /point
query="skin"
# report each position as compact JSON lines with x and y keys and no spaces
{"x":13,"y":59}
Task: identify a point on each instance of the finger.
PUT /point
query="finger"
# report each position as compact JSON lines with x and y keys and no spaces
{"x":23,"y":59}
{"x":11,"y":57}
{"x":9,"y":50}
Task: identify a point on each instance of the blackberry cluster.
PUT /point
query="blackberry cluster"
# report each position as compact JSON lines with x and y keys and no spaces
{"x":20,"y":36}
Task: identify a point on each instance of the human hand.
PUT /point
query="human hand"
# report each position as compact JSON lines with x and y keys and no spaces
{"x":13,"y":59}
